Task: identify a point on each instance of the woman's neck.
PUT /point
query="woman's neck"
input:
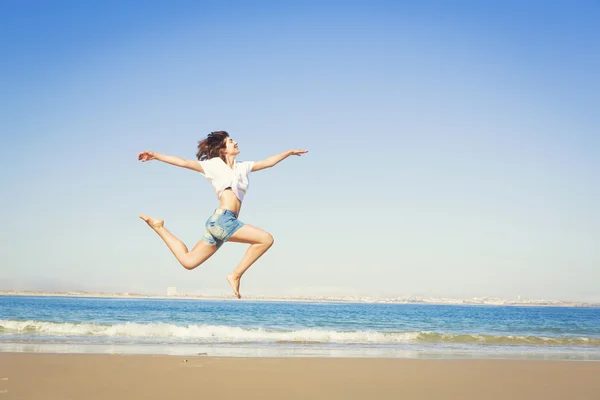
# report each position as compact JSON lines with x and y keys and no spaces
{"x":230,"y":161}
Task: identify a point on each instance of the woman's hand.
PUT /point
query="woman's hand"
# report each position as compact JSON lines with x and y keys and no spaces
{"x":297,"y":152}
{"x":146,"y":156}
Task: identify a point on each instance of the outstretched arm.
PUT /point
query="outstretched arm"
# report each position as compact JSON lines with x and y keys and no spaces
{"x":173,"y":160}
{"x":271,"y":161}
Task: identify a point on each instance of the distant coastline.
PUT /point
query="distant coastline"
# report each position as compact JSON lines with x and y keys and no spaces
{"x":333,"y":299}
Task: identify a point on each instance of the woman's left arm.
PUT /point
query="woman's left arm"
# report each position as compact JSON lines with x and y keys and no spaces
{"x":271,"y":161}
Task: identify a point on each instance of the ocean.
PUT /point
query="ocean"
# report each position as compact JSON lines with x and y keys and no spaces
{"x":296,"y":329}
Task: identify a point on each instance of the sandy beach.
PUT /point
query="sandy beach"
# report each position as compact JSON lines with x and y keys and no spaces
{"x":89,"y":376}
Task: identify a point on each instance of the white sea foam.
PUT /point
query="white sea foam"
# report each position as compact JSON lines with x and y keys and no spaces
{"x":219,"y":332}
{"x":222,"y":333}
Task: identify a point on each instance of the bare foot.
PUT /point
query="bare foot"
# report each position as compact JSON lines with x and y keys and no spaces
{"x":152,"y":222}
{"x":235,"y":285}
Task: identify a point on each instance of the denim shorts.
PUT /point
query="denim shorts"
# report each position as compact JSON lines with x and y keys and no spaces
{"x":220,"y":227}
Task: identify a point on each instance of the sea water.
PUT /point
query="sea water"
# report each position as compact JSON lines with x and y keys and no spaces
{"x":306,"y":329}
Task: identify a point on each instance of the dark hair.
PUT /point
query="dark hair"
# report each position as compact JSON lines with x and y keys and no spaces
{"x":211,"y":146}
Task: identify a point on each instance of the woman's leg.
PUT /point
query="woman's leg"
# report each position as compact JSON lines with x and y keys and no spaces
{"x":259,"y":240}
{"x":189,"y":259}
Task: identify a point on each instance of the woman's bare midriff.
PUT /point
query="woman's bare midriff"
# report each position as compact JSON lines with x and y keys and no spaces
{"x":229,"y":201}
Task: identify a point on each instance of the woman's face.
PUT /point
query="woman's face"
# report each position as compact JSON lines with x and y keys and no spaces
{"x":231,"y":147}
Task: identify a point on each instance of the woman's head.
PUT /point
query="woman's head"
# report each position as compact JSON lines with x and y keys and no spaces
{"x":217,"y":144}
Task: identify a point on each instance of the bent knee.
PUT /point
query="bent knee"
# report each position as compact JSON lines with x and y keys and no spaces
{"x":269,"y":240}
{"x":189,"y":265}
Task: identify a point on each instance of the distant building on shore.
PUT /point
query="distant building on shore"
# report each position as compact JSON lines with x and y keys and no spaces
{"x":171,"y":291}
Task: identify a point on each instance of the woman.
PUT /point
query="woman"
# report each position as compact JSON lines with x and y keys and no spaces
{"x":216,"y":162}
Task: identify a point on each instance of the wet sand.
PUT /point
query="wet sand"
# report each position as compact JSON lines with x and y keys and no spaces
{"x":98,"y":376}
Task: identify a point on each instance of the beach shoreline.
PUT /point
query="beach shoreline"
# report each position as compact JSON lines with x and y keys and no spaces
{"x":96,"y":376}
{"x":257,"y":351}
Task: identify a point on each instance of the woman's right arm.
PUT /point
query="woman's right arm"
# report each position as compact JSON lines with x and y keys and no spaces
{"x":173,"y":160}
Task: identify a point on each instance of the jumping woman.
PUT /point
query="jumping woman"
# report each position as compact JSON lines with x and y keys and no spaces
{"x":216,"y":162}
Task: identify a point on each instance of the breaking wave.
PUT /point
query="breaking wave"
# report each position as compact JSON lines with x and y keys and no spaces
{"x":230,"y":334}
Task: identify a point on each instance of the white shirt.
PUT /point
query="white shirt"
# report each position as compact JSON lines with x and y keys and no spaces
{"x":222,"y":177}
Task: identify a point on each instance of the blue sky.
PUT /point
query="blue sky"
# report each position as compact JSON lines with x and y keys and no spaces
{"x":454,"y":146}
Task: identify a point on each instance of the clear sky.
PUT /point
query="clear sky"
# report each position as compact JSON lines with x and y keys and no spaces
{"x":454,"y":145}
